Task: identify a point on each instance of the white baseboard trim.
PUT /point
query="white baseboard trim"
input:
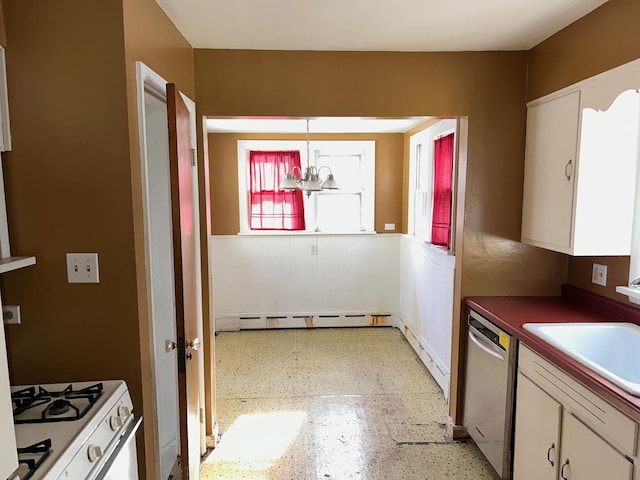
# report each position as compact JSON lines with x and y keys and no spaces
{"x":439,"y":371}
{"x":233,"y":323}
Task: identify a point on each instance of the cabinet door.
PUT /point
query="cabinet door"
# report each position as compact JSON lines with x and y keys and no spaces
{"x":537,"y":433}
{"x":8,"y":454}
{"x":586,"y":456}
{"x":550,"y":168}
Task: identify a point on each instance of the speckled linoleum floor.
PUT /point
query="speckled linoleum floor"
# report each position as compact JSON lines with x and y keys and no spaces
{"x":331,"y":404}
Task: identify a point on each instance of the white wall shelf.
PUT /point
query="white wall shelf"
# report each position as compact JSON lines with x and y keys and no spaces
{"x":13,"y":263}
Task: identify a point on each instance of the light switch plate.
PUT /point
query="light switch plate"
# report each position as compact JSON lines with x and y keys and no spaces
{"x":599,"y":274}
{"x":82,"y":268}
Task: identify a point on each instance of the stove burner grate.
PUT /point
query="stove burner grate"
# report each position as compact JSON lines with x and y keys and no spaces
{"x":55,"y":403}
{"x":58,"y":407}
{"x":43,"y":449}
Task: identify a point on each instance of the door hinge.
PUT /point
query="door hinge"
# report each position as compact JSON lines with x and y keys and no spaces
{"x":201,"y":415}
{"x":194,"y":160}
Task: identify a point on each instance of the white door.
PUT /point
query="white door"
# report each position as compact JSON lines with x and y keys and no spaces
{"x":536,"y":449}
{"x":185,"y":266}
{"x":165,"y":345}
{"x":161,"y":270}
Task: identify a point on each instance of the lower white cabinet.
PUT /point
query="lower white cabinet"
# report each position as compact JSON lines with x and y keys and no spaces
{"x":563,"y":431}
{"x":585,"y":455}
{"x":537,"y":433}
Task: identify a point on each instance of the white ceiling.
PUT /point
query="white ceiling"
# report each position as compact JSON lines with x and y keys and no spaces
{"x":316,"y":125}
{"x":380,"y":25}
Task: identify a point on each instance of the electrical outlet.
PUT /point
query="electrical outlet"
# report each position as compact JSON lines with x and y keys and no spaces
{"x":11,"y":314}
{"x":389,"y":226}
{"x":314,"y":249}
{"x":82,"y":268}
{"x":599,"y":274}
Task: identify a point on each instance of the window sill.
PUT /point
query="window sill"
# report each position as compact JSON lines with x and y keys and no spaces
{"x":424,"y":243}
{"x":632,"y":293}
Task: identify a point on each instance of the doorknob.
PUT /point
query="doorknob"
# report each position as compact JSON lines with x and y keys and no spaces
{"x":169,"y":345}
{"x":194,"y":344}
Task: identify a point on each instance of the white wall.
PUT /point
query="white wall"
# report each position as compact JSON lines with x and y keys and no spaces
{"x":278,"y":274}
{"x":426,"y":304}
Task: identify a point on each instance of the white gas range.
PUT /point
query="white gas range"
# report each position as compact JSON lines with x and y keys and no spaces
{"x":83,"y":430}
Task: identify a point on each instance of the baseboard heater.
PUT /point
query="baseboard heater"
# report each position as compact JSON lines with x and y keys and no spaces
{"x":226,"y":323}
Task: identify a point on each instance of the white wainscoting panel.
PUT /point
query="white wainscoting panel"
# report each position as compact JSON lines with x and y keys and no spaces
{"x":426,"y":305}
{"x":278,"y":276}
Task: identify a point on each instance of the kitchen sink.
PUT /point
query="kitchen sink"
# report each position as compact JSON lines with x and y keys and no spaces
{"x":610,"y":349}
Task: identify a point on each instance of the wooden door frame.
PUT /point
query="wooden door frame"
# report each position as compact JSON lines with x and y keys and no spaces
{"x":147,"y":81}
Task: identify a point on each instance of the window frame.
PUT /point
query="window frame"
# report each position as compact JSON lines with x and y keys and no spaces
{"x":424,"y":141}
{"x":364,"y":148}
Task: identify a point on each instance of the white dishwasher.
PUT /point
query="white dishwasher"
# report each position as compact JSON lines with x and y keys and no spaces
{"x":489,"y":391}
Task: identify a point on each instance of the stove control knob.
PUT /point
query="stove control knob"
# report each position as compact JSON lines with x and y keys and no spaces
{"x":94,"y":452}
{"x":115,"y":422}
{"x":123,"y":411}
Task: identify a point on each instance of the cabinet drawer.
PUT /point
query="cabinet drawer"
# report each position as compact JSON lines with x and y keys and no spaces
{"x":613,"y":425}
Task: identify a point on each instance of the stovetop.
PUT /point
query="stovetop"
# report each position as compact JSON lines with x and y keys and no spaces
{"x":59,"y":420}
{"x":43,"y":405}
{"x":31,"y":457}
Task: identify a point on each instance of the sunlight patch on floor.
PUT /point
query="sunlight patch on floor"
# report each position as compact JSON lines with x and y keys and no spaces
{"x":254,"y":442}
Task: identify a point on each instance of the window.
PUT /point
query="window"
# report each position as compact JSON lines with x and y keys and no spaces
{"x":442,"y":191}
{"x":271,"y":207}
{"x":347,"y":210}
{"x":432,"y":154}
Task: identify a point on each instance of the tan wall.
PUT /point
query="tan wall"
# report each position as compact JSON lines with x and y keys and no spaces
{"x":69,"y":190}
{"x":223,"y":161}
{"x":69,"y":183}
{"x":604,"y":39}
{"x":488,"y":87}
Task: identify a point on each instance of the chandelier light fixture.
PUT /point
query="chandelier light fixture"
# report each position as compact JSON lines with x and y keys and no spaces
{"x":310,"y":181}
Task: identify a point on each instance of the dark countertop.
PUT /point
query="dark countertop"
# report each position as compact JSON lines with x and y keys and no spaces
{"x":575,"y":305}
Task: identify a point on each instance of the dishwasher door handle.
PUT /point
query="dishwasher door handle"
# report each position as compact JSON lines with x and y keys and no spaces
{"x":475,"y":339}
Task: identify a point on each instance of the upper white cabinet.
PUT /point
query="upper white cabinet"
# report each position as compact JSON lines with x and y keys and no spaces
{"x":552,"y":135}
{"x":580,"y":165}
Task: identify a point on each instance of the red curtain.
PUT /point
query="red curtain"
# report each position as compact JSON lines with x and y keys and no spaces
{"x":272,"y":208}
{"x":442,"y":195}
